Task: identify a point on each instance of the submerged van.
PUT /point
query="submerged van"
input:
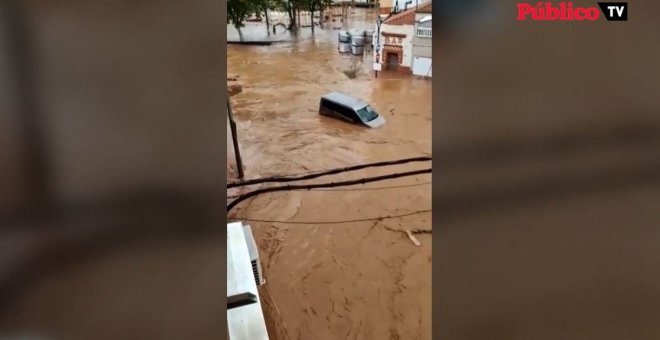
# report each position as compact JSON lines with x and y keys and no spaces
{"x":345,"y":107}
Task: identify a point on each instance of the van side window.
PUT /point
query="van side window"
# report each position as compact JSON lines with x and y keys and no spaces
{"x":335,"y":107}
{"x":350,"y":113}
{"x":340,"y":109}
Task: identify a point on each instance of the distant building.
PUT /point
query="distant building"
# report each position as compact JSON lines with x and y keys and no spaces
{"x":396,"y":6}
{"x":422,"y":42}
{"x":386,"y":6}
{"x":405,"y":41}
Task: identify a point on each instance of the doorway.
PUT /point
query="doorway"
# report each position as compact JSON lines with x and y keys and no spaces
{"x":392,"y":60}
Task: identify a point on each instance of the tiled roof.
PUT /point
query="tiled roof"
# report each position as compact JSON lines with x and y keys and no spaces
{"x":406,"y":17}
{"x":425,"y":8}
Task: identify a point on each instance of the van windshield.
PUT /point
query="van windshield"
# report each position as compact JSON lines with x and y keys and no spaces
{"x":367,"y":114}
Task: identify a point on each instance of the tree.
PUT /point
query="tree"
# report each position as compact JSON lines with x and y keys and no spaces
{"x":324,"y":5}
{"x":313,"y":6}
{"x":238,"y":11}
{"x":263,"y":6}
{"x":290,"y":7}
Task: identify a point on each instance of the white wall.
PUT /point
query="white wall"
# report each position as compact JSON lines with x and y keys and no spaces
{"x":408,"y":30}
{"x":422,"y":66}
{"x":420,"y":16}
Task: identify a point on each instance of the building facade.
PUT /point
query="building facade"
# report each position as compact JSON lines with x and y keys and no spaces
{"x":396,"y":6}
{"x":422,"y":43}
{"x":403,"y":41}
{"x":396,"y":47}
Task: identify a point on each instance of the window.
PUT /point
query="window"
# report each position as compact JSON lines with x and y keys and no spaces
{"x":339,"y":109}
{"x":367,"y":114}
{"x":330,"y":105}
{"x":424,"y":32}
{"x":348,"y":113}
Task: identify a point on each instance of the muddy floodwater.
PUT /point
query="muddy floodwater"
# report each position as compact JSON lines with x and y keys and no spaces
{"x":355,"y":280}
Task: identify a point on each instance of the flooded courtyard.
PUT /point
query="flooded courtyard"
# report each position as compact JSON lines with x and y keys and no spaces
{"x":338,"y":263}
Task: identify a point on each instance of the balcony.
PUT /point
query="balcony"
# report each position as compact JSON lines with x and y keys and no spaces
{"x":424,"y":32}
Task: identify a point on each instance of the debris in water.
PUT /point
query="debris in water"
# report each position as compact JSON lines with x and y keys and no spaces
{"x":413,"y":238}
{"x":234,"y":89}
{"x":233,"y":85}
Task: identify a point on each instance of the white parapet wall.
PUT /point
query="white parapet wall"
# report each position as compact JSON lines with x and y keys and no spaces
{"x":245,"y":322}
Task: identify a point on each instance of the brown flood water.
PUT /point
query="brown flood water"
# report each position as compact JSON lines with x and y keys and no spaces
{"x":358,"y":280}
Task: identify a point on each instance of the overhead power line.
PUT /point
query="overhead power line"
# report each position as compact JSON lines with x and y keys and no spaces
{"x":325,"y":185}
{"x":336,"y":222}
{"x":374,"y":188}
{"x":357,"y":189}
{"x":317,"y":174}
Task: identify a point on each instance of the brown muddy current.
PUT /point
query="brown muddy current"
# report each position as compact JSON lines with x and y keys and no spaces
{"x":354,"y":280}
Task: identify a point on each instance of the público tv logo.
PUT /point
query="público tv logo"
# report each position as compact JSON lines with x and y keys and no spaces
{"x":566,"y":11}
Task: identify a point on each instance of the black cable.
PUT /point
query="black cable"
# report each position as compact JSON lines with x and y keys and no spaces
{"x":357,"y":189}
{"x":375,"y":188}
{"x":336,"y":222}
{"x":302,"y":173}
{"x":325,"y":173}
{"x":324,"y":185}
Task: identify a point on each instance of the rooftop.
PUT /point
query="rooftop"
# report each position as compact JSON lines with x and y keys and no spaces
{"x":426,"y":8}
{"x":407,"y":17}
{"x":346,"y":100}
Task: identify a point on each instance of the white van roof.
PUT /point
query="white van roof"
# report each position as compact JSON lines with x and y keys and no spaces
{"x":345,"y":100}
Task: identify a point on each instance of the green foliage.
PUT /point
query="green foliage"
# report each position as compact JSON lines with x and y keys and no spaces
{"x":239,"y":10}
{"x":315,"y":5}
{"x":262,"y":5}
{"x":290,"y":7}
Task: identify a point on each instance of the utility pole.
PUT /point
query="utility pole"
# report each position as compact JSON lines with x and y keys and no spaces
{"x":234,"y":138}
{"x":379,"y":21}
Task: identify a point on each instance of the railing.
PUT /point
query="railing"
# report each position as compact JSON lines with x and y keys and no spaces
{"x":424,"y":32}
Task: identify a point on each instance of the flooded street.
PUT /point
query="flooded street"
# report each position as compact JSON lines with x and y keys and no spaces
{"x":353,"y":280}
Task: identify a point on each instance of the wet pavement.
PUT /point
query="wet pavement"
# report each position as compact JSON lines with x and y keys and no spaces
{"x":355,"y":280}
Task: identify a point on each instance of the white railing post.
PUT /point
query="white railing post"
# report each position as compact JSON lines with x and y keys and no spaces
{"x":424,"y":32}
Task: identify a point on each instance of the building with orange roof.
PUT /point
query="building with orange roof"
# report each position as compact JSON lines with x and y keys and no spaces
{"x":399,"y":34}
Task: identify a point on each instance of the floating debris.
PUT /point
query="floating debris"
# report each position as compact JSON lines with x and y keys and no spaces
{"x":413,"y":238}
{"x":233,"y":86}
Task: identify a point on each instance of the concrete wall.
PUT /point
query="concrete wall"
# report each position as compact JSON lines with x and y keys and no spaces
{"x":422,"y":51}
{"x":422,"y":47}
